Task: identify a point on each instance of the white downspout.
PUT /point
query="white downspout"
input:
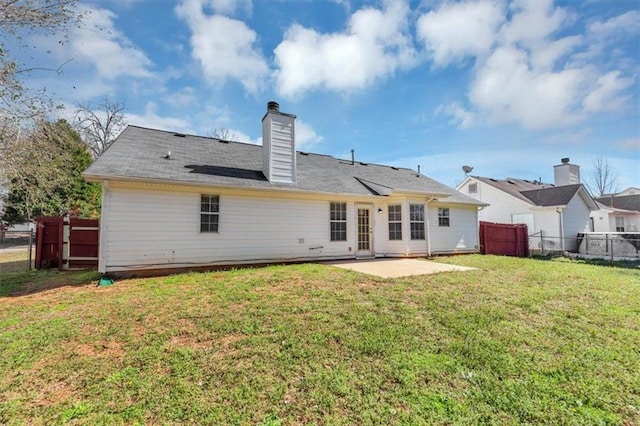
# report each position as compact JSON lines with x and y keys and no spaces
{"x":104,"y":220}
{"x":426,"y":214}
{"x":561,"y":217}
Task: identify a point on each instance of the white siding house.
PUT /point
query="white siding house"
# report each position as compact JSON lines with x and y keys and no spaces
{"x":179,"y":201}
{"x":618,"y":212}
{"x":554,"y":213}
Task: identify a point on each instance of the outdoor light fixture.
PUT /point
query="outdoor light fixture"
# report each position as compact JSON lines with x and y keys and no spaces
{"x":379,"y":211}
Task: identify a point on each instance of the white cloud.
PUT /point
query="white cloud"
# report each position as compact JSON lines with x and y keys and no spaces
{"x":631,"y":144}
{"x":523,"y":73}
{"x":533,"y":21}
{"x":506,"y":89}
{"x":459,"y":116}
{"x":373,"y":46}
{"x":458,"y":30}
{"x":223,"y":46}
{"x":97,"y":42}
{"x":606,"y":95}
{"x":621,"y":25}
{"x":184,"y":97}
{"x":306,"y":137}
{"x":231,"y":7}
{"x":151,"y":119}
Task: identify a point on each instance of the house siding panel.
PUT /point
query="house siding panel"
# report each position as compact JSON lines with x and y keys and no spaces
{"x":547,"y":221}
{"x":501,"y":205}
{"x":158,"y":229}
{"x":460,"y":236}
{"x":575,"y":220}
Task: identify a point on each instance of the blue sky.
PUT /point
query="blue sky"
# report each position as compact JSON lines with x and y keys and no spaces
{"x":508,"y":87}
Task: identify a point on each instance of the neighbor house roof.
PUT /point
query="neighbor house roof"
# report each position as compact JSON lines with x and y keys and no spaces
{"x":554,"y":196}
{"x":538,"y":193}
{"x":139,"y":154}
{"x":624,"y":202}
{"x":513,"y":186}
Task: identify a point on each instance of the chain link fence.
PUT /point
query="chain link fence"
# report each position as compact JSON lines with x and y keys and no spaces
{"x":596,"y":245}
{"x":17,"y":251}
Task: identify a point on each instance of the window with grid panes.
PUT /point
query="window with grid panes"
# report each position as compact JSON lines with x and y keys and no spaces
{"x":443,"y":217}
{"x":338,"y":221}
{"x":416,"y":221}
{"x":209,"y":213}
{"x":395,"y":222}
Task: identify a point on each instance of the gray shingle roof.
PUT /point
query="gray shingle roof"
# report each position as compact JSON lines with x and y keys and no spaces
{"x":554,"y":196}
{"x":624,"y":202}
{"x":139,"y":153}
{"x":536,"y":193}
{"x":513,"y":186}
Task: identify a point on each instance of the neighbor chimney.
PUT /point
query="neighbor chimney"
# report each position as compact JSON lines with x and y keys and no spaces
{"x":566,"y":173}
{"x":278,"y":145}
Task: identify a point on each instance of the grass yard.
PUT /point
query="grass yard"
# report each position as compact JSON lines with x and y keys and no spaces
{"x":517,"y":341}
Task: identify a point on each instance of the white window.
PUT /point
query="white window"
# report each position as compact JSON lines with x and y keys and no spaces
{"x":395,"y":222}
{"x":209,"y":213}
{"x":416,"y":221}
{"x":619,"y":223}
{"x":338,"y":221}
{"x":443,"y":216}
{"x":473,"y":188}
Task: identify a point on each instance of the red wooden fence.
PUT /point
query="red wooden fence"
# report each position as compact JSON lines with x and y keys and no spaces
{"x":67,"y":243}
{"x":504,"y":239}
{"x":49,"y":242}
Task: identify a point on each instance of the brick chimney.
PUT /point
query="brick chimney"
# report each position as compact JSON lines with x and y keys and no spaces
{"x":566,"y":173}
{"x":278,"y":145}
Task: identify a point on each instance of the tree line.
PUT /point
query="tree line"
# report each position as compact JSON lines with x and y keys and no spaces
{"x":41,"y":155}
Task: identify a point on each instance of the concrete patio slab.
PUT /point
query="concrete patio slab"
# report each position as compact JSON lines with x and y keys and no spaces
{"x":394,"y":268}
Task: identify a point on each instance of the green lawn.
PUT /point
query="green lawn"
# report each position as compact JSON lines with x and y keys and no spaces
{"x":517,"y":341}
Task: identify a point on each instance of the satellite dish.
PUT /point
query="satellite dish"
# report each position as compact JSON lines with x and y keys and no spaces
{"x":467,"y":169}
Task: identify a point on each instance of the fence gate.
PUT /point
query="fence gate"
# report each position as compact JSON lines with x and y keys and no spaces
{"x":67,"y":243}
{"x":504,"y":239}
{"x":49,"y":242}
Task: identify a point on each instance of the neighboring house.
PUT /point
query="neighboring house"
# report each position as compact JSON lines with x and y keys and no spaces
{"x":618,"y":212}
{"x":554,"y":213}
{"x":173,"y":201}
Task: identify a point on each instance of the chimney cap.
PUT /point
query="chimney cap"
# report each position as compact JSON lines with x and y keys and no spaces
{"x":565,"y":160}
{"x":273,"y":106}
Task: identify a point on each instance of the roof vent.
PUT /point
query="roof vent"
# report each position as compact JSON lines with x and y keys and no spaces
{"x":303,"y":153}
{"x":565,"y":160}
{"x":273,"y":106}
{"x":394,"y":168}
{"x":179,"y":135}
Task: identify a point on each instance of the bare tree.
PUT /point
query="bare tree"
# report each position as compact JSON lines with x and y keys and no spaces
{"x":224,"y":134}
{"x":100,"y":126}
{"x":20,"y":19}
{"x":603,"y":178}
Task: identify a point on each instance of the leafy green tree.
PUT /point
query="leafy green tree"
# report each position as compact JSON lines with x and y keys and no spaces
{"x":46,"y":180}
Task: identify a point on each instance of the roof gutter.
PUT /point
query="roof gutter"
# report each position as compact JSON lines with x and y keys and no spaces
{"x":433,"y":195}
